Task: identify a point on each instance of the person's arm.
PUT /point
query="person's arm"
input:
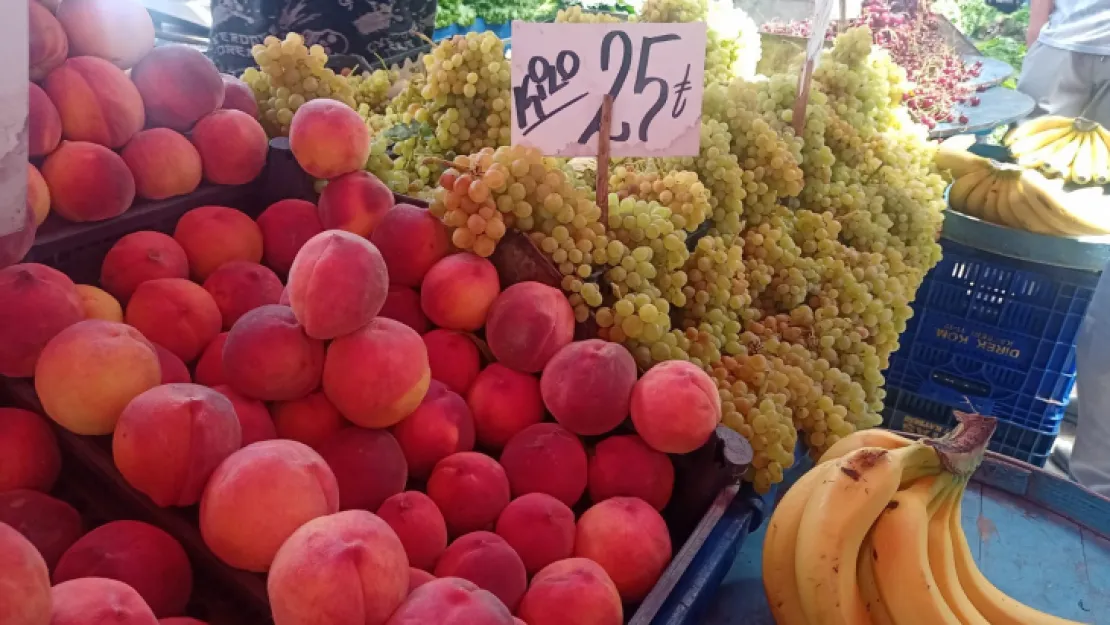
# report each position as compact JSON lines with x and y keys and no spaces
{"x":1039,"y":10}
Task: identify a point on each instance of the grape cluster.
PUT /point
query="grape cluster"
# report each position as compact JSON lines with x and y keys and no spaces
{"x":371,"y":91}
{"x":575,"y":15}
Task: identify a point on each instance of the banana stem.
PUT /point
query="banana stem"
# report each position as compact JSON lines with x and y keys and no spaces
{"x":961,"y":450}
{"x":918,"y":461}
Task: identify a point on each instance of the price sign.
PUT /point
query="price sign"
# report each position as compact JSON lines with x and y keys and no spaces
{"x":653,"y":72}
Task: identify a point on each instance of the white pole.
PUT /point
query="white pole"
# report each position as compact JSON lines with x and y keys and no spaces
{"x":13,"y":117}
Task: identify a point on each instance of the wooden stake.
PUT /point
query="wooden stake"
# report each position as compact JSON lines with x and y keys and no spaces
{"x":798,"y":120}
{"x":603,"y":158}
{"x":843,"y":23}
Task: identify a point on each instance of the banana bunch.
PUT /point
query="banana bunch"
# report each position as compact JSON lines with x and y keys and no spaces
{"x":1077,"y":150}
{"x":872,"y":534}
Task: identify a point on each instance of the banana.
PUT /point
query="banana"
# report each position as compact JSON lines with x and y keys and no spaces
{"x":900,"y":543}
{"x":963,"y":186}
{"x":1100,"y":156}
{"x":872,"y":437}
{"x":1039,"y":141}
{"x":779,"y":580}
{"x":1058,"y":223}
{"x":990,"y":204}
{"x":1028,"y":218}
{"x":977,"y":199}
{"x":852,"y":493}
{"x":1082,"y":167}
{"x":942,"y":560}
{"x":953,"y":156}
{"x":1006,"y":214}
{"x":1038,"y":125}
{"x":1069,"y":212}
{"x":1038,"y":158}
{"x":1059,"y":164}
{"x":869,"y":587}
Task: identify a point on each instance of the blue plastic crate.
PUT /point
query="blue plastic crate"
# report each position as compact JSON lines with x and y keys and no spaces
{"x":995,"y":335}
{"x":913,"y":413}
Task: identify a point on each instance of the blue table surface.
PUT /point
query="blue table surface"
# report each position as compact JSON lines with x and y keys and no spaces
{"x":1041,"y":558}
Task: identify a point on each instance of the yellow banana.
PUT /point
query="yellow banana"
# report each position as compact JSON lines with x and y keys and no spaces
{"x":1059,"y":164}
{"x":1026,"y":217}
{"x":1037,"y":158}
{"x":872,"y":437}
{"x":779,"y":580}
{"x":963,"y":186}
{"x":1058,"y":222}
{"x":1082,"y":167}
{"x":990,"y":204}
{"x":869,"y":586}
{"x":942,"y":560}
{"x":1038,"y":125}
{"x":977,"y":199}
{"x":850,"y":496}
{"x":953,"y":156}
{"x":1006,"y":214}
{"x":1071,"y":212}
{"x":1101,"y":149}
{"x":1039,"y":141}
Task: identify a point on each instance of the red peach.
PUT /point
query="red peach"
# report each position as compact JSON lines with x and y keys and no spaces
{"x":138,"y":257}
{"x":232,"y":145}
{"x":259,"y":496}
{"x":454,"y":359}
{"x":49,"y":45}
{"x":355,"y":202}
{"x":177,"y":314}
{"x":368,"y":466}
{"x":377,"y":375}
{"x":96,"y":101}
{"x":24,"y":581}
{"x":503,"y":403}
{"x":546,"y":458}
{"x":286,"y":226}
{"x":487,"y":560}
{"x":624,"y":466}
{"x":458,"y":291}
{"x":173,"y":368}
{"x":39,"y":302}
{"x":214,"y":235}
{"x":44,"y":125}
{"x":179,"y":85}
{"x":311,"y":420}
{"x":164,"y":163}
{"x":470,"y":489}
{"x":675,"y":407}
{"x":89,"y":600}
{"x":527,"y":324}
{"x":90,"y":371}
{"x":120,"y":31}
{"x":254,"y":418}
{"x":575,"y":590}
{"x":137,"y":554}
{"x":440,"y":426}
{"x":29,"y":456}
{"x":38,"y":195}
{"x":629,"y":539}
{"x":411,"y":240}
{"x":239,"y":287}
{"x":587,"y":386}
{"x":99,"y":304}
{"x":51,"y":525}
{"x":451,"y":601}
{"x":417,"y":578}
{"x":419,"y":524}
{"x":210,"y":365}
{"x":328,"y":139}
{"x":268,"y":356}
{"x":238,"y":95}
{"x":540,"y":528}
{"x":147,"y":445}
{"x":403,"y":304}
{"x":337,"y":284}
{"x":180,"y":620}
{"x":88,"y":182}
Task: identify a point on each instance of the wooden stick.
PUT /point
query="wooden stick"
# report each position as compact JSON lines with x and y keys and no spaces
{"x":799,"y":117}
{"x":843,"y":23}
{"x":603,"y":158}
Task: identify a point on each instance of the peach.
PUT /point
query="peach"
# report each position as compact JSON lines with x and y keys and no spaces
{"x":311,"y":420}
{"x":232,"y":145}
{"x":39,"y":302}
{"x":44,"y":125}
{"x":180,"y":620}
{"x":629,"y":539}
{"x":99,"y":304}
{"x":147,"y":444}
{"x":214,"y":235}
{"x":120,"y":31}
{"x":24,"y":581}
{"x":503,"y":403}
{"x":458,"y":291}
{"x":239,"y":287}
{"x":96,"y":101}
{"x":254,"y":418}
{"x":137,"y":554}
{"x":675,"y":407}
{"x":259,"y":496}
{"x":440,"y":426}
{"x":38,"y":194}
{"x":328,"y":139}
{"x":487,"y":560}
{"x":546,"y":458}
{"x":587,"y":386}
{"x":337,"y":284}
{"x":95,"y":600}
{"x":177,"y":314}
{"x":179,"y":85}
{"x":238,"y":95}
{"x":51,"y":525}
{"x":164,"y":163}
{"x":268,"y":356}
{"x":451,"y":601}
{"x":377,"y":375}
{"x":286,"y":226}
{"x":15,"y":245}
{"x":624,"y":466}
{"x":403,"y":304}
{"x":575,"y":590}
{"x":540,"y":528}
{"x":91,"y":371}
{"x":527,"y":324}
{"x":354,"y":202}
{"x":454,"y":359}
{"x":368,"y":466}
{"x":49,"y":45}
{"x":88,"y":182}
{"x":210,"y":366}
{"x":417,"y":578}
{"x":173,"y":368}
{"x":138,"y":257}
{"x":470,"y":489}
{"x":332,"y":559}
{"x":419,"y":524}
{"x":29,"y":456}
{"x":411,"y":240}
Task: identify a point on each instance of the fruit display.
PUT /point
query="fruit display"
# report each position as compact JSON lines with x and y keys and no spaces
{"x":873,"y":534}
{"x":1074,"y":149}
